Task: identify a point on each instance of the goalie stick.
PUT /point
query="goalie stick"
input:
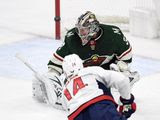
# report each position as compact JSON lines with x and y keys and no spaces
{"x":41,"y":78}
{"x":24,"y":60}
{"x":37,"y":74}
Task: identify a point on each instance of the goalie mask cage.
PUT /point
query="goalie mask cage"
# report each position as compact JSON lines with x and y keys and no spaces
{"x":114,"y":12}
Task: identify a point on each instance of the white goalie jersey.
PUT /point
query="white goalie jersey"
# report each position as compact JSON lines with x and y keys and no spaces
{"x":83,"y":90}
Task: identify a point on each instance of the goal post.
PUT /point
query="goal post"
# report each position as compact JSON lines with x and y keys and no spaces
{"x":57,"y":20}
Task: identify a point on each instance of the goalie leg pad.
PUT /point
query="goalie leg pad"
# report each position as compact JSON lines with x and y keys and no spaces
{"x":48,"y":88}
{"x":54,"y":89}
{"x":39,"y":91}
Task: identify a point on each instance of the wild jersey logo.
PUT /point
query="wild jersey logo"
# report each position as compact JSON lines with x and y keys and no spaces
{"x":116,"y":30}
{"x":69,"y":34}
{"x":63,"y":43}
{"x":125,"y":40}
{"x":95,"y":60}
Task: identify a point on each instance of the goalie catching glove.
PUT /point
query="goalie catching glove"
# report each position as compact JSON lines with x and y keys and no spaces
{"x":128,"y":107}
{"x":123,"y":67}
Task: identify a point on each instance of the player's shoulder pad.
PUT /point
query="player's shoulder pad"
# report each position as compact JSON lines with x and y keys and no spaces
{"x":91,"y":70}
{"x":111,"y":29}
{"x":71,"y":33}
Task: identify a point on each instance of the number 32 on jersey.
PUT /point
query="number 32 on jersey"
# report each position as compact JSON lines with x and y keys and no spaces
{"x":77,"y":85}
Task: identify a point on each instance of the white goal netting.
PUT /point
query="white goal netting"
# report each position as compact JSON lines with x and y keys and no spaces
{"x":107,"y":11}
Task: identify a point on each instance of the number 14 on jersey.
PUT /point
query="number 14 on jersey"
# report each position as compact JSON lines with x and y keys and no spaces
{"x":77,"y":85}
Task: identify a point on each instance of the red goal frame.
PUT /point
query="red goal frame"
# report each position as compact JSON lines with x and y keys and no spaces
{"x":57,"y":20}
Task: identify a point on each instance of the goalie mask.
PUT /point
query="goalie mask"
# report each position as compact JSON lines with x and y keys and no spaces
{"x":71,"y":65}
{"x":87,"y":26}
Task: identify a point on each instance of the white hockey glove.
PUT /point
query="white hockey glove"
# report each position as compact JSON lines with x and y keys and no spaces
{"x":124,"y":68}
{"x":120,"y":66}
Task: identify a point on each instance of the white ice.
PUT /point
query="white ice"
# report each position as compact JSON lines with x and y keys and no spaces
{"x":29,"y":24}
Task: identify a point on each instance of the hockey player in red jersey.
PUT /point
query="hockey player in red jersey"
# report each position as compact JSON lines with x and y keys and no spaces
{"x":86,"y":92}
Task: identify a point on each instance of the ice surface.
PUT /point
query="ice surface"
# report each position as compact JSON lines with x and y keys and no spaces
{"x":26,"y":26}
{"x":16,"y":101}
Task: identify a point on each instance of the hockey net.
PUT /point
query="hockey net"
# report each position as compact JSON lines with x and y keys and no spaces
{"x":114,"y":12}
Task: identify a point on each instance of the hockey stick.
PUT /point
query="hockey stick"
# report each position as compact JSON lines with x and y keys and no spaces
{"x":41,"y":78}
{"x":37,"y":74}
{"x":24,"y":60}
